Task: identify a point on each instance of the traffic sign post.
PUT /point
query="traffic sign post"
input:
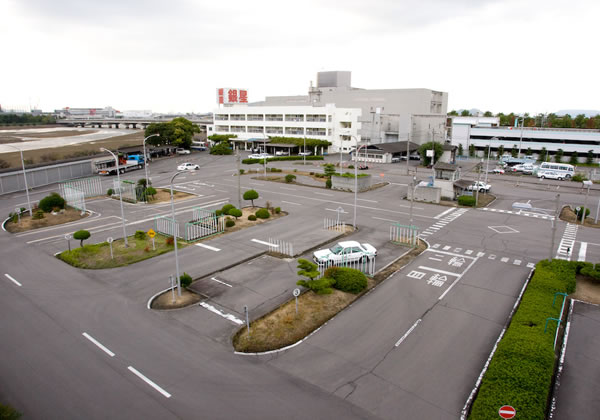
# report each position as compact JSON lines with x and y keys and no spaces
{"x":296,"y":294}
{"x":18,"y":211}
{"x":68,"y":238}
{"x":247,"y":320}
{"x":507,"y":412}
{"x":152,"y":234}
{"x":110,"y":241}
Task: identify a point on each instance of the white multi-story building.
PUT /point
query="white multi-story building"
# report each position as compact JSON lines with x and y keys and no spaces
{"x":482,"y":132}
{"x":339,"y":126}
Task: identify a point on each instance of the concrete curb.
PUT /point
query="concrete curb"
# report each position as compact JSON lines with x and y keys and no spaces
{"x":467,"y":407}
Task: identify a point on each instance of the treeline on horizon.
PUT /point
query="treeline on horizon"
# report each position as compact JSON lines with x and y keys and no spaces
{"x":6,"y":119}
{"x":540,"y":120}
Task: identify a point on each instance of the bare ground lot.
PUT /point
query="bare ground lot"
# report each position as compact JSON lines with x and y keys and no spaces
{"x":27,"y":223}
{"x":81,"y":149}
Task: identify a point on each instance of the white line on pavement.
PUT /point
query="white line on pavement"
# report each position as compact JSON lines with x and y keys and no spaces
{"x":325,"y":194}
{"x":223,"y":314}
{"x":263,"y":242}
{"x":435,"y":270}
{"x":370,"y":201}
{"x":437,"y":251}
{"x":13,"y":280}
{"x":407,"y":333}
{"x":96,"y":342}
{"x":343,"y":212}
{"x":289,"y":189}
{"x":381,"y":218}
{"x":582,"y":251}
{"x":442,"y":214}
{"x":457,"y":279}
{"x":148,"y":381}
{"x":212,"y":248}
{"x":222,"y":282}
{"x":435,"y":259}
{"x":290,"y":202}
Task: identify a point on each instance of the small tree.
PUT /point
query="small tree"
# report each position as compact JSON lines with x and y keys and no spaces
{"x":251,"y":195}
{"x":558,"y":155}
{"x":150,"y":191}
{"x":529,"y":151}
{"x":307,"y":269}
{"x":235,"y":212}
{"x":81,"y":235}
{"x":573,"y":159}
{"x":329,"y":169}
{"x":51,"y":202}
{"x":514,"y":151}
{"x":437,"y":152}
{"x":142,"y":182}
{"x":222,"y":148}
{"x":460,"y":149}
{"x":590,"y":156}
{"x":500,"y":151}
{"x":543,"y":155}
{"x":290,"y":178}
{"x":472,"y":150}
{"x":185,"y":280}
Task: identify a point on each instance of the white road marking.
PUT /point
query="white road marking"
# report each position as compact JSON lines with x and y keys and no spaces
{"x":504,"y":259}
{"x":212,"y":248}
{"x":256,"y":183}
{"x":345,"y":212}
{"x":457,"y":279}
{"x":222,"y":282}
{"x":148,"y":381}
{"x":435,"y":246}
{"x":371,"y":201}
{"x":13,"y":280}
{"x":517,"y":262}
{"x":291,"y":202}
{"x":582,"y":251}
{"x":530,"y":265}
{"x":491,"y":257}
{"x":435,"y":259}
{"x":97,"y":343}
{"x":416,"y":275}
{"x":469,"y":251}
{"x":264,"y":243}
{"x":86,"y":220}
{"x":447,"y":247}
{"x":407,"y":333}
{"x":480,"y":254}
{"x":221,"y":313}
{"x":380,"y":218}
{"x":289,"y":189}
{"x":325,"y":194}
{"x":435,"y":270}
{"x":442,"y":214}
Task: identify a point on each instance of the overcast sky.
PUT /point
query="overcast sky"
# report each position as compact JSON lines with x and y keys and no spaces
{"x":170,"y":56}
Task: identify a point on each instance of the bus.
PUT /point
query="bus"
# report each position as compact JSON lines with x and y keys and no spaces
{"x":563,"y":169}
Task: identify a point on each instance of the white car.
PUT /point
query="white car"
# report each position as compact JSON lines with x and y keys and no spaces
{"x":481,"y":186}
{"x":307,"y":153}
{"x":550,"y":175}
{"x":346,"y":251}
{"x":188,"y":167}
{"x":282,"y":153}
{"x":498,"y":171}
{"x":182,"y":151}
{"x":260,"y":156}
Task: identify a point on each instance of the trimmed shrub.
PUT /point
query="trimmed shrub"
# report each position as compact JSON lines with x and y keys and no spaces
{"x":466,"y":200}
{"x":242,"y":171}
{"x":328,"y":183}
{"x":277,"y":210}
{"x":579,"y":178}
{"x":142,"y":182}
{"x":218,"y":212}
{"x":350,"y":166}
{"x":81,"y":235}
{"x":226,"y":208}
{"x":320,"y":287}
{"x":229,"y":223}
{"x":348,"y":279}
{"x":281,"y":158}
{"x":290,"y":178}
{"x":185,"y":280}
{"x":251,"y":195}
{"x":579,"y":211}
{"x":591,"y":272}
{"x":39,"y":214}
{"x":150,"y":191}
{"x":140,"y":234}
{"x":235,"y":212}
{"x":262,"y":214}
{"x":110,"y":192}
{"x":52,"y":201}
{"x":252,"y":217}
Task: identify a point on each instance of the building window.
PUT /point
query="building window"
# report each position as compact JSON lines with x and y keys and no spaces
{"x":222,"y":128}
{"x":238,"y":129}
{"x":345,"y":124}
{"x":256,"y":129}
{"x":294,"y":130}
{"x":252,"y":117}
{"x":294,"y":117}
{"x":274,"y":117}
{"x":222,"y":117}
{"x":329,"y":118}
{"x":316,"y":131}
{"x":238,"y":117}
{"x":274,"y":130}
{"x":316,"y":118}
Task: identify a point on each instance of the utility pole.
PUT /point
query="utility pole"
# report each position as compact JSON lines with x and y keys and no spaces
{"x":407,"y":154}
{"x":239,"y":175}
{"x":554,"y":223}
{"x":478,"y":181}
{"x":521,"y":139}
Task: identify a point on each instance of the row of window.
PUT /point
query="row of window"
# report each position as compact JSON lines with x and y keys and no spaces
{"x":273,"y":117}
{"x":527,"y":140}
{"x":275,"y":130}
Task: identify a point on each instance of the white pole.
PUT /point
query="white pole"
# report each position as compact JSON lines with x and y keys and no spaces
{"x":24,"y":178}
{"x":304,"y":150}
{"x":146,"y":158}
{"x":521,"y":139}
{"x":102,"y":149}
{"x":175,"y":234}
{"x":487,"y":165}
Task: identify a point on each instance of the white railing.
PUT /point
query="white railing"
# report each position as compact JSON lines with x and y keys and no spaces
{"x":167,"y":226}
{"x":404,"y":234}
{"x":207,"y":226}
{"x":366,"y":264}
{"x":90,"y":187}
{"x":281,"y":247}
{"x":74,"y":197}
{"x":333,"y":224}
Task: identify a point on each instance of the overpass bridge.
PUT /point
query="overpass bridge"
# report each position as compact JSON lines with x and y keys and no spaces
{"x":133,"y":123}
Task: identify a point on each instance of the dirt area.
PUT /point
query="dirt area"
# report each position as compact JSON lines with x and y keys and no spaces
{"x":27,"y":223}
{"x":12,"y":137}
{"x":568,"y":215}
{"x":282,"y":327}
{"x":243,"y":222}
{"x":587,"y":290}
{"x":165,"y":300}
{"x":75,"y":150}
{"x":163,"y":195}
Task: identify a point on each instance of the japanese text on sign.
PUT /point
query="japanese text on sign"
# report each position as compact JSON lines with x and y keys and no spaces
{"x":228,"y":96}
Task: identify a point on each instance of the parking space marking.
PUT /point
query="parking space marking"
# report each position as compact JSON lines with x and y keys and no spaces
{"x":148,"y":381}
{"x":517,"y":262}
{"x":221,"y":313}
{"x":407,"y":333}
{"x":8,"y":276}
{"x":212,"y":248}
{"x":98,"y":344}
{"x":222,"y":282}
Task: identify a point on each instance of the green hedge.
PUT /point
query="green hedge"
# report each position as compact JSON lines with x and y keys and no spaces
{"x":347,"y":279}
{"x":466,"y":200}
{"x":262,"y":213}
{"x":278,"y":158}
{"x":520,"y":373}
{"x":349,"y":175}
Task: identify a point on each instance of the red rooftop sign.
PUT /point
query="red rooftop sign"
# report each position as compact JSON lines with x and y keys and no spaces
{"x":226,"y":96}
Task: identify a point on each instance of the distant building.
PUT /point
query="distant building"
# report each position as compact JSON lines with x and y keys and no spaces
{"x":86,"y":113}
{"x":482,"y":132}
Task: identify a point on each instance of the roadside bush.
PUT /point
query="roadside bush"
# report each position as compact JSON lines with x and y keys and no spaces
{"x":579,"y":178}
{"x":242,"y":171}
{"x":110,"y":192}
{"x":329,"y":169}
{"x":320,"y":287}
{"x":262,"y":214}
{"x":9,"y":413}
{"x":311,"y":173}
{"x":140,"y":234}
{"x":466,"y":200}
{"x":348,"y":279}
{"x":150,"y":191}
{"x":350,"y":166}
{"x":185,"y":280}
{"x":229,"y":223}
{"x":226,"y":208}
{"x":170,"y":241}
{"x":235,"y":212}
{"x":522,"y":368}
{"x":328,"y":183}
{"x":51,"y":201}
{"x":592,"y":272}
{"x":39,"y":214}
{"x":277,"y":210}
{"x":579,"y":211}
{"x":81,"y":235}
{"x":252,"y":218}
{"x":218,"y":212}
{"x":142,"y":182}
{"x":222,"y":148}
{"x":290,"y":178}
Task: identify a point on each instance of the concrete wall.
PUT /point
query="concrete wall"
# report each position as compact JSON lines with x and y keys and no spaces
{"x":347,"y":184}
{"x":37,"y":177}
{"x":446,"y":188}
{"x":426,"y":194}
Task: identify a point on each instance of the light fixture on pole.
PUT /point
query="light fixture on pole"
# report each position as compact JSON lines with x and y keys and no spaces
{"x":24,"y":177}
{"x":102,"y":149}
{"x":175,"y":234}
{"x":146,"y":157}
{"x":356,"y":183}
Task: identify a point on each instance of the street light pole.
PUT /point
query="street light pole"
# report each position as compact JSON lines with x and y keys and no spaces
{"x":304,"y":150}
{"x":146,"y":157}
{"x":554,"y":223}
{"x":175,"y":234}
{"x":24,"y":177}
{"x":521,"y":139}
{"x":412,"y":198}
{"x":487,"y":165}
{"x":102,"y":149}
{"x":356,"y":183}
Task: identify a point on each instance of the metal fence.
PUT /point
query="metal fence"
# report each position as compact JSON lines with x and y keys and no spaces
{"x":366,"y":264}
{"x":128,"y":190}
{"x":74,"y":197}
{"x":281,"y":247}
{"x":332,"y":224}
{"x":403,"y":234}
{"x":166,"y":226}
{"x":90,"y":187}
{"x":206,"y":223}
